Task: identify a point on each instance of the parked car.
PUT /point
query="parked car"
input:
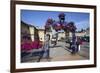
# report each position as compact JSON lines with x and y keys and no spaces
{"x":85,"y":39}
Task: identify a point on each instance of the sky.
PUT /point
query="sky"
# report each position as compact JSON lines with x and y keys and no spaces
{"x":39,"y":18}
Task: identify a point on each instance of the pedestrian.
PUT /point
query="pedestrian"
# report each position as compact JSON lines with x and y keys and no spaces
{"x":46,"y":46}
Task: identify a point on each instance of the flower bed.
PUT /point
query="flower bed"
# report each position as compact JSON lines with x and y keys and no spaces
{"x":31,"y":45}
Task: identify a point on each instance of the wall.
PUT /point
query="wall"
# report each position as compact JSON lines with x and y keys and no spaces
{"x":61,"y":35}
{"x":5,"y":37}
{"x":32,"y":29}
{"x":41,"y":34}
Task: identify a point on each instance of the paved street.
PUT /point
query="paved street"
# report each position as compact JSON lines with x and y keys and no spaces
{"x":84,"y":50}
{"x":61,"y":53}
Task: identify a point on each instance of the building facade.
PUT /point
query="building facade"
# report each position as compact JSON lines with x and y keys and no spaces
{"x":28,"y":32}
{"x":41,"y":33}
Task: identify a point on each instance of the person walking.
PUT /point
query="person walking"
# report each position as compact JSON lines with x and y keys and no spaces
{"x":46,"y":46}
{"x":46,"y":51}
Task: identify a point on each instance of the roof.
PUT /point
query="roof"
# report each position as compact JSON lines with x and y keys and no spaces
{"x":22,"y":22}
{"x":41,"y":29}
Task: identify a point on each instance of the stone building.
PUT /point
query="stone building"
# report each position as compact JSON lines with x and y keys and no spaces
{"x":41,"y":34}
{"x":28,"y":32}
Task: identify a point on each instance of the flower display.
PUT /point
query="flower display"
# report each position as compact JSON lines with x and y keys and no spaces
{"x":31,"y":45}
{"x":61,"y":24}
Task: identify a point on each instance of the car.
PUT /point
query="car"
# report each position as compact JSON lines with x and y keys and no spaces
{"x":85,"y":39}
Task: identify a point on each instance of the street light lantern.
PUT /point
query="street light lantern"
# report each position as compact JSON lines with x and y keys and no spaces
{"x":71,"y":26}
{"x":49,"y":23}
{"x":57,"y":26}
{"x":61,"y":17}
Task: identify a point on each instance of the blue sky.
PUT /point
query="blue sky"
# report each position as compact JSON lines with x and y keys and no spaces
{"x":38,"y":18}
